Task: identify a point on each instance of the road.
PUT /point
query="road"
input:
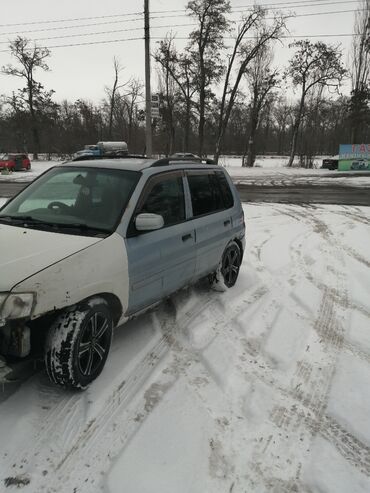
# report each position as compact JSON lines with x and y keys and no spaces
{"x":290,"y":194}
{"x":260,"y":388}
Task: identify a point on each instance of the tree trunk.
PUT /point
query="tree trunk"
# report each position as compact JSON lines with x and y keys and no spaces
{"x":36,"y":141}
{"x":296,"y":125}
{"x":187,"y":126}
{"x":201,"y":124}
{"x":251,"y":153}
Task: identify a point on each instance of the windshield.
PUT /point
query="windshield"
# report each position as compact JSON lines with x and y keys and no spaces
{"x":76,"y":200}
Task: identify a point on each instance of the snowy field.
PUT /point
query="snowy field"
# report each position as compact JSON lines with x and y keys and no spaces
{"x":260,"y":389}
{"x":267,"y":171}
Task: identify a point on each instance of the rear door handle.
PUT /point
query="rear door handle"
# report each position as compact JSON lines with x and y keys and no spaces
{"x":187,"y":237}
{"x":227,"y":222}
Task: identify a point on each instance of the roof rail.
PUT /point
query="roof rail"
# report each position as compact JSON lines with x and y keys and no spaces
{"x":181,"y":160}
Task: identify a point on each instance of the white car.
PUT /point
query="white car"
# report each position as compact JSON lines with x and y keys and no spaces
{"x":90,"y":244}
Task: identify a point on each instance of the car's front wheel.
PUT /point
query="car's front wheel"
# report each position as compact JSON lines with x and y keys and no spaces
{"x":78,"y":343}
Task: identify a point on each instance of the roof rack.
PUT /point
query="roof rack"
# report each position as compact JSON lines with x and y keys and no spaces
{"x":182,"y":160}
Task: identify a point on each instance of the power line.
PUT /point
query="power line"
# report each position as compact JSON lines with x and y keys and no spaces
{"x":69,"y":27}
{"x":115,"y":31}
{"x":288,"y":16}
{"x":308,"y":14}
{"x":292,"y":36}
{"x":87,"y":43}
{"x":159,"y":27}
{"x":289,"y":36}
{"x":284,"y":5}
{"x":295,"y":4}
{"x":69,"y":20}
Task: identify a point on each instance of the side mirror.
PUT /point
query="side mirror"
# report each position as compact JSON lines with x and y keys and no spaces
{"x":148,"y":222}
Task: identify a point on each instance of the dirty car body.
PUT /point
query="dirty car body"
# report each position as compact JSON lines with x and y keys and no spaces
{"x":90,"y":244}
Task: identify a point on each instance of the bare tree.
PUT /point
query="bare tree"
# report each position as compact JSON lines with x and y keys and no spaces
{"x":283,"y":120}
{"x":242,"y":54}
{"x":262,"y":79}
{"x":360,"y":61}
{"x":313,"y":64}
{"x":178,"y":67}
{"x":33,"y":95}
{"x":113,"y":94}
{"x":206,"y":42}
{"x":130,"y":100}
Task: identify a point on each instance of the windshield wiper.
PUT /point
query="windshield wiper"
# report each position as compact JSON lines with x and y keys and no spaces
{"x":24,"y":219}
{"x":31,"y":221}
{"x":82,"y":227}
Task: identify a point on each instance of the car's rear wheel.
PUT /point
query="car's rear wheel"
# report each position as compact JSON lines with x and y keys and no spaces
{"x":78,"y":344}
{"x":228,"y":271}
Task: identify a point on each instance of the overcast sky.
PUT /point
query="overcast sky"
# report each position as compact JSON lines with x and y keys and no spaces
{"x":83,"y":71}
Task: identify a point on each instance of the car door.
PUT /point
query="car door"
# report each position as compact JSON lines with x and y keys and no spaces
{"x":212,"y":219}
{"x":160,"y":261}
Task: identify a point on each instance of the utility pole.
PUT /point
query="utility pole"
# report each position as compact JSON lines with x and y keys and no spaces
{"x":148,"y":97}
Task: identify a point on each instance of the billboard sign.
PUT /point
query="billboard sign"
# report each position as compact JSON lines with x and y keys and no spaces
{"x":354,"y":157}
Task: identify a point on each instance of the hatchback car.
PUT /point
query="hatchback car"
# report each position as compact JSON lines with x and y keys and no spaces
{"x":90,"y":244}
{"x":15,"y":162}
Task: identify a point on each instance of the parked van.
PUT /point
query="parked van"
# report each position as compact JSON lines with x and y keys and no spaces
{"x":90,"y":244}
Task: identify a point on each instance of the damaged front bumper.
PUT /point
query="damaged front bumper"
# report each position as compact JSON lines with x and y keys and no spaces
{"x":15,"y":339}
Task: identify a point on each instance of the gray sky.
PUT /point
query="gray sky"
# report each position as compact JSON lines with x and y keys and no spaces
{"x":83,"y":71}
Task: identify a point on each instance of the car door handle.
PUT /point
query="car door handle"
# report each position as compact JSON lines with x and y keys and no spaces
{"x":227,"y":222}
{"x":187,"y":237}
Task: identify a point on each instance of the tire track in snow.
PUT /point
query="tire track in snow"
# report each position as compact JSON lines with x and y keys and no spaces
{"x":55,"y":452}
{"x":311,"y":383}
{"x":332,"y":336}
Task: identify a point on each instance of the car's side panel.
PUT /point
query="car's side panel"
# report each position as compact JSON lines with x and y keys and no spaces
{"x":213,"y":234}
{"x":160,"y":262}
{"x":100,"y":268}
{"x":214,"y":231}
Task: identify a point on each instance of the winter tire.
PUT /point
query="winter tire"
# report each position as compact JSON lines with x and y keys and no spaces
{"x":78,"y":343}
{"x":230,"y":264}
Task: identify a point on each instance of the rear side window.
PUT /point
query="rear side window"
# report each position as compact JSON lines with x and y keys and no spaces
{"x":165,"y":197}
{"x":227,"y":196}
{"x":209,"y":193}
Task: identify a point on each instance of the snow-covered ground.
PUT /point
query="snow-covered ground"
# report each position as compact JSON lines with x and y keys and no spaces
{"x":272,"y":170}
{"x":262,"y":388}
{"x":37,"y":167}
{"x":269,"y":170}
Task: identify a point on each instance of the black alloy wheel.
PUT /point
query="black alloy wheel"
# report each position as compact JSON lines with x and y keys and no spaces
{"x":231,"y":264}
{"x":94,"y":344}
{"x":78,"y":343}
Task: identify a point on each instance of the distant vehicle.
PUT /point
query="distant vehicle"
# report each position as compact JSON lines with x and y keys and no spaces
{"x":107,"y":239}
{"x":103,"y":149}
{"x":330,"y":163}
{"x":184,"y":155}
{"x":15,"y":162}
{"x":359,"y":164}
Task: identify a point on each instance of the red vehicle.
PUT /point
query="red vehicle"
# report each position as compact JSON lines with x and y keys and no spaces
{"x":15,"y":162}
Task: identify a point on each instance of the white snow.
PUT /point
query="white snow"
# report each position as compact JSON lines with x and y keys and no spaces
{"x":261,"y":388}
{"x":37,"y":167}
{"x":268,"y":170}
{"x":329,"y":472}
{"x":352,"y":407}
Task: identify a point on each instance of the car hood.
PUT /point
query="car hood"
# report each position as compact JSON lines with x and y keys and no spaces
{"x":24,"y":252}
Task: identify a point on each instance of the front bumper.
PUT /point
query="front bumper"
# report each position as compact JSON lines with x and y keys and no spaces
{"x":15,"y":339}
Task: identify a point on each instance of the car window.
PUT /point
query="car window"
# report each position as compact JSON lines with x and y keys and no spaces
{"x":165,"y":196}
{"x":205,"y":193}
{"x":64,"y":196}
{"x":227,"y":196}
